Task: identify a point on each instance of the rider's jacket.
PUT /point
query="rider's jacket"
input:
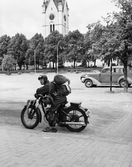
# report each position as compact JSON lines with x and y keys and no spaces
{"x":48,"y":88}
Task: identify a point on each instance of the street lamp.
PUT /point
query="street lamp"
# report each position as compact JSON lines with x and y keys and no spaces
{"x":35,"y":62}
{"x":57,"y":59}
{"x":57,"y":56}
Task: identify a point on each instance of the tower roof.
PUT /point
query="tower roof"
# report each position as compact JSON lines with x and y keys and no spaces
{"x":59,"y":1}
{"x":56,"y":3}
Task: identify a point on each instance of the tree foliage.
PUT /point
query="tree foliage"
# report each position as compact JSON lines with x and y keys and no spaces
{"x":35,"y":51}
{"x":74,"y":46}
{"x":92,"y":42}
{"x":53,"y":45}
{"x":4,"y":40}
{"x":8,"y":63}
{"x":17,"y":47}
{"x":116,"y":40}
{"x":124,"y":33}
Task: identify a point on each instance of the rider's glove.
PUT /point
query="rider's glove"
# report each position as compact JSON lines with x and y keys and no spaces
{"x":36,"y":95}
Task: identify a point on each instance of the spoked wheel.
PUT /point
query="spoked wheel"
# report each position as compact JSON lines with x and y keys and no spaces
{"x":29,"y":117}
{"x":79,"y":119}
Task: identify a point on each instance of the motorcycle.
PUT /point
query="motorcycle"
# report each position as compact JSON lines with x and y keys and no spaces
{"x":74,"y":117}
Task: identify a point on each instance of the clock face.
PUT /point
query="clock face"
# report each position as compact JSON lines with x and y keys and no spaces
{"x":51,"y":16}
{"x":65,"y":17}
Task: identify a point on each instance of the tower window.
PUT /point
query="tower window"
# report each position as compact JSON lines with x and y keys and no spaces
{"x":51,"y":16}
{"x":52,"y":28}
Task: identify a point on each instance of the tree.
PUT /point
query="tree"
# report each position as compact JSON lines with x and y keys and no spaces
{"x":17,"y":47}
{"x":91,"y":42}
{"x":116,"y":39}
{"x":53,"y":47}
{"x":4,"y":40}
{"x":36,"y":49}
{"x":109,"y":41}
{"x":29,"y":58}
{"x":8,"y":63}
{"x":124,"y":34}
{"x":74,"y":46}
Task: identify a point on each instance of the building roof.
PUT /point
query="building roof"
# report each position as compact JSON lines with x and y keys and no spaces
{"x":56,"y":3}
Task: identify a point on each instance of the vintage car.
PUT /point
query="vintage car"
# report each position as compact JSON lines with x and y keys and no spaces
{"x":103,"y":78}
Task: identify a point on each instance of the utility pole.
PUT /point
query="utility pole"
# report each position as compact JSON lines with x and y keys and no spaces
{"x":35,"y":62}
{"x":111,"y":75}
{"x":57,"y":64}
{"x":57,"y":58}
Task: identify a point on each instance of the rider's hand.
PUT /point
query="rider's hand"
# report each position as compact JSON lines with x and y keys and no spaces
{"x":36,"y":95}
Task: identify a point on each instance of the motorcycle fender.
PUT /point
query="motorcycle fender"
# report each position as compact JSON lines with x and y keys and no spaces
{"x":73,"y":107}
{"x":87,"y":111}
{"x":30,"y":103}
{"x":40,"y":115}
{"x":66,"y":108}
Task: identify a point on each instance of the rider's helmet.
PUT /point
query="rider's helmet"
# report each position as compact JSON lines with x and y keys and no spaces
{"x":44,"y":77}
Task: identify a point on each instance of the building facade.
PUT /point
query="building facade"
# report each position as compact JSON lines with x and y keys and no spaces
{"x":56,"y":17}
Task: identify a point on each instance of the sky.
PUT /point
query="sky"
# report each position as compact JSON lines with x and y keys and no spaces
{"x":25,"y":16}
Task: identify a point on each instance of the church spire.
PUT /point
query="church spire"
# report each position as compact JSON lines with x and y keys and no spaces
{"x":56,"y":16}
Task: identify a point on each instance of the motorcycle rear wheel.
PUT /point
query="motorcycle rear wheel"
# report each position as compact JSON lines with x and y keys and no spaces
{"x":29,"y":117}
{"x":75,"y":116}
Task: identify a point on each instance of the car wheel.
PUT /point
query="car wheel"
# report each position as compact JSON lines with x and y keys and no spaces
{"x":122,"y":83}
{"x":88,"y":83}
{"x":129,"y":85}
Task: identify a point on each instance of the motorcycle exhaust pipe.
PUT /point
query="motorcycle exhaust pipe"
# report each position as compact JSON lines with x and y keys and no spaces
{"x":73,"y":123}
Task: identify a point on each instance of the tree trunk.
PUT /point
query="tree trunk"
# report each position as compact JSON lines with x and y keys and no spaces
{"x":19,"y":65}
{"x":88,"y":63}
{"x":26,"y":66}
{"x":94,"y":63}
{"x":111,"y":75}
{"x":53,"y":65}
{"x":74,"y":61}
{"x":125,"y":76}
{"x":15,"y":67}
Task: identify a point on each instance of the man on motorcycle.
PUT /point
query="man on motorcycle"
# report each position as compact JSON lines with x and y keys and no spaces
{"x":49,"y":88}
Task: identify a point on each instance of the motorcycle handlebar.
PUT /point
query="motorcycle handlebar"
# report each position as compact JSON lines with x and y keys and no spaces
{"x":38,"y":96}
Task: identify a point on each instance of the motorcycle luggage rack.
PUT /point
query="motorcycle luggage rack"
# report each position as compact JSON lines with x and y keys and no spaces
{"x":74,"y":104}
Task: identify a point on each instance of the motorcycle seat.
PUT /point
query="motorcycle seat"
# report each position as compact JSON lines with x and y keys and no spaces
{"x":75,"y":104}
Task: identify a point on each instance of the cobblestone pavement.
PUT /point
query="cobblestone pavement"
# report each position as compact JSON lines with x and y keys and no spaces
{"x":20,"y":147}
{"x":101,"y":144}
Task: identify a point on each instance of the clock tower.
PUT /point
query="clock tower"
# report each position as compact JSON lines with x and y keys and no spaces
{"x":56,"y":17}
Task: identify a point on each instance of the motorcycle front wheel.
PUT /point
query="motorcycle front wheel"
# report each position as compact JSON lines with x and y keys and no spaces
{"x":29,"y":117}
{"x":77,"y":116}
